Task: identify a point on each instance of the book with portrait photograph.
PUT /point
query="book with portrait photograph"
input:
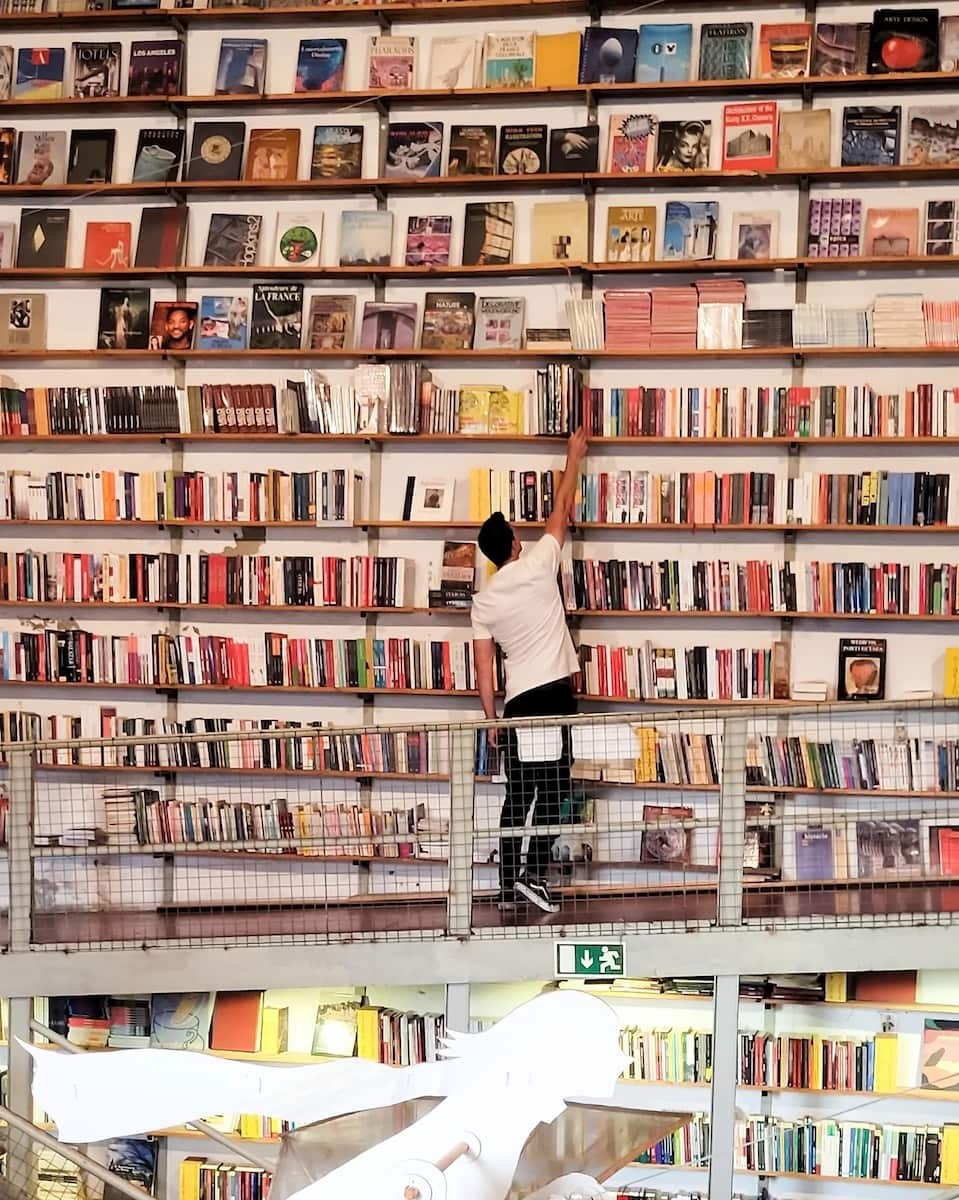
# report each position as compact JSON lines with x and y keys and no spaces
{"x":472,"y":150}
{"x":414,"y":149}
{"x":891,"y":232}
{"x":106,"y":245}
{"x":574,"y":150}
{"x":331,"y":322}
{"x":173,"y":325}
{"x":276,"y":321}
{"x":683,"y":145}
{"x":522,"y":149}
{"x":337,"y":152}
{"x":158,"y":155}
{"x":224,"y":323}
{"x":96,"y":69}
{"x":428,"y":241}
{"x":242,"y":67}
{"x":233,"y":240}
{"x":155,"y":68}
{"x":933,"y":135}
{"x":42,"y":157}
{"x":448,"y":320}
{"x":755,"y":235}
{"x":862,"y":669}
{"x":124,"y":319}
{"x":388,"y":325}
{"x":320,"y":65}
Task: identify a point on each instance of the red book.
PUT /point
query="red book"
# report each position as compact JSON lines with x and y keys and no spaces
{"x":749,"y":136}
{"x":107,"y":246}
{"x":236,"y":1021}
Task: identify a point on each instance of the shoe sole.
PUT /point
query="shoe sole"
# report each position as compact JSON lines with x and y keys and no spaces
{"x":528,"y":894}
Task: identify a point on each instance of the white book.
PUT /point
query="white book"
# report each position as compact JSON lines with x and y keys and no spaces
{"x":453,"y":63}
{"x":299,"y":238}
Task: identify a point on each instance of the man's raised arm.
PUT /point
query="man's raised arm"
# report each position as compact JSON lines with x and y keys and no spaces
{"x":558,"y":521}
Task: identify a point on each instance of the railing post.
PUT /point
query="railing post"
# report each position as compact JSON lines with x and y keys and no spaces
{"x":458,"y":1007}
{"x":732,"y":822}
{"x":21,"y":1158}
{"x":19,"y":848}
{"x":462,"y":796}
{"x":722,"y":1114}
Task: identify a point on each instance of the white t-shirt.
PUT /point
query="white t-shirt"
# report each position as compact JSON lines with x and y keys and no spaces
{"x":520,"y":608}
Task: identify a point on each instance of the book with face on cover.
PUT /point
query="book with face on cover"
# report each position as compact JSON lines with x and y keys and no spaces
{"x":124,"y":319}
{"x":366,"y":238}
{"x":749,"y":136}
{"x":223,"y":323}
{"x":106,"y":245}
{"x":472,"y":150}
{"x":452,"y":63}
{"x":804,"y":138}
{"x":631,"y":233}
{"x":96,"y":69}
{"x":448,"y":321}
{"x":428,"y":241}
{"x":242,"y":67}
{"x":933,"y":135}
{"x":233,"y":240}
{"x":841,"y":49}
{"x":155,"y":68}
{"x":891,"y":232}
{"x":277,"y":316}
{"x":414,"y":149}
{"x":42,"y":157}
{"x":785,"y":49}
{"x":331,"y":322}
{"x":337,"y":152}
{"x":683,"y":145}
{"x":299,"y":237}
{"x":664,"y":54}
{"x":509,"y":60}
{"x":632,"y":138}
{"x":522,"y":149}
{"x":39,"y":73}
{"x":726,"y":50}
{"x":273,"y":155}
{"x":755,"y":235}
{"x":391,"y":63}
{"x":560,"y":231}
{"x":173,"y":325}
{"x":158,"y":155}
{"x":388,"y":325}
{"x":320,"y":65}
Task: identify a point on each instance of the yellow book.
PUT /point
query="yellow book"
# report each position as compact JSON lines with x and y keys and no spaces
{"x":950,"y":1154}
{"x":368,"y":1034}
{"x":483,"y":496}
{"x":250,"y":1125}
{"x":950,"y":688}
{"x":190,"y":1178}
{"x":887,"y":1062}
{"x":506,"y":412}
{"x":557,"y":59}
{"x":274,"y":1038}
{"x":474,"y":409}
{"x":815,"y":1067}
{"x":837,"y":989}
{"x":646,"y":755}
{"x":560,"y":231}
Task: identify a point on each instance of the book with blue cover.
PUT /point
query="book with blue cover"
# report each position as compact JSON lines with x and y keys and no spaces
{"x":224,"y":323}
{"x":664,"y":54}
{"x":40,"y":72}
{"x":690,"y":229}
{"x":320,"y":65}
{"x":242,"y":67}
{"x":608,"y":55}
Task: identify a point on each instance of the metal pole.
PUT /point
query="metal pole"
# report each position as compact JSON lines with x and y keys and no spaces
{"x":722,"y":1115}
{"x":732,"y":822}
{"x":21,"y":1152}
{"x":20,"y":843}
{"x":462,"y":798}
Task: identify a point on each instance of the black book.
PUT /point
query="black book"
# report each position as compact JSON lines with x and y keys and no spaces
{"x":488,"y":233}
{"x":96,"y":69}
{"x":124,"y":319}
{"x":161,"y":236}
{"x":233,"y":240}
{"x":43,"y":237}
{"x":155,"y":68}
{"x":608,"y":55}
{"x":216,"y":151}
{"x":472,"y":150}
{"x":158,"y":155}
{"x":522,"y":149}
{"x":277,"y":320}
{"x":862,"y":669}
{"x":904,"y":39}
{"x":337,"y":152}
{"x":91,"y":156}
{"x":414,"y":149}
{"x":574,"y":150}
{"x":870,"y":136}
{"x":408,"y":497}
{"x":767,"y":327}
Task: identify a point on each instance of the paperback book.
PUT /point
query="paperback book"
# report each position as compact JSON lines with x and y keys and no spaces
{"x":749,"y":136}
{"x":277,"y":316}
{"x":726,"y":50}
{"x":366,"y":238}
{"x":933,"y":135}
{"x":574,"y":151}
{"x":904,"y":39}
{"x":337,"y":152}
{"x":6,"y":72}
{"x":216,"y":151}
{"x":949,"y":44}
{"x":161,"y":237}
{"x":428,"y":241}
{"x":891,"y":232}
{"x":664,"y":54}
{"x":320,"y":65}
{"x":91,"y":156}
{"x":870,"y":136}
{"x":96,"y":69}
{"x":632,"y":139}
{"x":522,"y":149}
{"x":331,"y":322}
{"x":173,"y":325}
{"x":862,"y":669}
{"x":124,"y":319}
{"x":233,"y":240}
{"x":43,"y":237}
{"x":155,"y":68}
{"x":448,"y":321}
{"x":690,"y":228}
{"x":39,"y":73}
{"x":557,"y":59}
{"x":107,"y":245}
{"x":391,"y":63}
{"x":23,"y":321}
{"x":472,"y":150}
{"x":805,"y":137}
{"x":134,"y":1160}
{"x":158,"y":155}
{"x":273,"y":155}
{"x":942,"y":230}
{"x":388,"y":325}
{"x":509,"y":60}
{"x":608,"y":55}
{"x":499,"y":323}
{"x":242,"y":67}
{"x":488,"y":233}
{"x":414,"y":149}
{"x":452,"y":63}
{"x":223,"y":323}
{"x":457,"y":576}
{"x":299,"y":237}
{"x":42,"y":157}
{"x":8,"y":154}
{"x":841,"y":49}
{"x":631,"y":233}
{"x":683,"y":145}
{"x":755,"y":235}
{"x":560,"y":231}
{"x":785,"y":50}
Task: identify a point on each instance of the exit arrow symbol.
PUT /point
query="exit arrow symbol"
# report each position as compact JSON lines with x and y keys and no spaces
{"x":587,"y":958}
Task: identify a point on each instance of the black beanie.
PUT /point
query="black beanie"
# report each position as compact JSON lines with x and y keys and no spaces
{"x":496,"y":539}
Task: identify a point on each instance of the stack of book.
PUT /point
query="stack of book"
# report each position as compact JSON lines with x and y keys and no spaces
{"x":628,"y":319}
{"x":898,"y":320}
{"x":721,"y":304}
{"x":942,"y":322}
{"x":675,"y":319}
{"x":129,"y":1023}
{"x":767,"y":327}
{"x":586,"y":323}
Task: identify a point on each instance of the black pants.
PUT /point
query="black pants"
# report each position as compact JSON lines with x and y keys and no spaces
{"x":545,"y":784}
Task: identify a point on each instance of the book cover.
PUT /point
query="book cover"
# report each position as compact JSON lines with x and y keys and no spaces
{"x":42,"y":157}
{"x":391,"y":63}
{"x":665,"y":53}
{"x":8,"y":153}
{"x":448,"y":321}
{"x":664,"y":843}
{"x":155,"y":68}
{"x":488,"y":233}
{"x":940,"y":1049}
{"x":134,"y":1160}
{"x":891,"y":232}
{"x":499,"y":323}
{"x":320,"y":65}
{"x":557,"y":59}
{"x":23,"y":321}
{"x":6,"y":72}
{"x":452,"y":63}
{"x":749,"y":136}
{"x":841,"y":49}
{"x":785,"y":49}
{"x":631,"y":233}
{"x":689,"y":229}
{"x":8,"y":243}
{"x":608,"y":55}
{"x":933,"y":135}
{"x":232,"y":240}
{"x":888,"y":848}
{"x":942,"y":227}
{"x":805,"y":138}
{"x":632,"y":137}
{"x":107,"y":245}
{"x":755,"y":235}
{"x":277,"y":316}
{"x":124,"y":319}
{"x":337,"y":152}
{"x":870,"y":136}
{"x":236,"y":1021}
{"x":40,"y":72}
{"x":43,"y":237}
{"x":158,"y":155}
{"x":428,"y":241}
{"x":683,"y":145}
{"x":814,"y":853}
{"x":216,"y":151}
{"x":96,"y":69}
{"x":949,"y":44}
{"x":509,"y":60}
{"x":223,"y":323}
{"x":574,"y":151}
{"x":331,"y":322}
{"x":472,"y":150}
{"x":299,"y":236}
{"x":522,"y":149}
{"x":904,"y":39}
{"x":161,"y":236}
{"x":726,"y":50}
{"x":388,"y":325}
{"x":862,"y":669}
{"x":273,"y":155}
{"x":560,"y":231}
{"x":91,"y":156}
{"x":414,"y":149}
{"x":173,"y":325}
{"x":366,"y":238}
{"x":241,"y":70}
{"x":458,"y":572}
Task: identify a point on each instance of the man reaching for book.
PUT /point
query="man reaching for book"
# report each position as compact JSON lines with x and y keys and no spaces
{"x":521,"y":609}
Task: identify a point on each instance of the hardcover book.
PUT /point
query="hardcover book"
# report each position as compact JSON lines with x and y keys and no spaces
{"x":665,"y":843}
{"x":457,"y":576}
{"x":608,"y":55}
{"x":8,"y":153}
{"x":904,"y":39}
{"x":320,"y":65}
{"x":155,"y":68}
{"x":862,"y":669}
{"x":233,"y":240}
{"x":726,"y":50}
{"x":574,"y":151}
{"x":448,"y":321}
{"x":391,"y":63}
{"x":43,"y":237}
{"x":277,"y":320}
{"x":841,"y":49}
{"x":242,"y":67}
{"x":216,"y":151}
{"x":39,"y":72}
{"x":366,"y":238}
{"x":814,"y":854}
{"x":557,"y":59}
{"x":173,"y":325}
{"x":891,"y":232}
{"x":428,"y":241}
{"x":106,"y":245}
{"x":933,"y":135}
{"x":161,"y":236}
{"x":488,"y":233}
{"x":273,"y":155}
{"x":631,"y":140}
{"x":299,"y":237}
{"x":942,"y":230}
{"x":134,"y":1160}
{"x":452,"y":63}
{"x":499,"y":323}
{"x":6,"y":72}
{"x":96,"y":69}
{"x":91,"y":156}
{"x":683,"y":145}
{"x":42,"y":157}
{"x":749,"y":136}
{"x":888,"y":848}
{"x":23,"y":321}
{"x":522,"y":149}
{"x":124,"y":319}
{"x":472,"y":150}
{"x":331,"y":322}
{"x":805,"y":137}
{"x":870,"y":136}
{"x":689,"y":229}
{"x":158,"y":155}
{"x":949,"y":44}
{"x":509,"y":60}
{"x":414,"y":149}
{"x":755,"y":234}
{"x":337,"y":152}
{"x":785,"y":50}
{"x":664,"y":54}
{"x":223,"y":323}
{"x":560,"y":231}
{"x":388,"y":325}
{"x":631,"y":233}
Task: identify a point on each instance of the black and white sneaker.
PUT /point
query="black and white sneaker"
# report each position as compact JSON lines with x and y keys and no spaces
{"x":536,"y":892}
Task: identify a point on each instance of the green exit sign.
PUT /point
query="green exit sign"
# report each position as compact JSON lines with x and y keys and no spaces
{"x":594,"y":960}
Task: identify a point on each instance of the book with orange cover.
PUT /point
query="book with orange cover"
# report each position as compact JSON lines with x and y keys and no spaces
{"x":236,"y":1021}
{"x":557,"y":59}
{"x":784,"y":49}
{"x":273,"y":155}
{"x":107,"y":245}
{"x":891,"y":232}
{"x":887,"y":987}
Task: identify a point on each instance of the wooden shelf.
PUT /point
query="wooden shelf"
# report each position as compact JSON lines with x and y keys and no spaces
{"x":597,"y":527}
{"x":305,"y":773}
{"x":860,"y":1182}
{"x":183,"y":523}
{"x":902,"y":1094}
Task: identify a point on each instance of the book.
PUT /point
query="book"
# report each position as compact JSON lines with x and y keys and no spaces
{"x":942,"y":227}
{"x":331,"y":322}
{"x":749,"y":136}
{"x":835,"y":227}
{"x":631,"y":233}
{"x":499,"y":323}
{"x":232,"y":240}
{"x":888,"y":848}
{"x":158,"y":155}
{"x":388,"y":325}
{"x":299,"y":236}
{"x":277,"y":316}
{"x":42,"y":157}
{"x":428,"y":241}
{"x":939,"y":1058}
{"x":39,"y":72}
{"x":904,"y":39}
{"x":448,"y":321}
{"x":891,"y":232}
{"x":133,"y":1159}
{"x":841,"y":49}
{"x":557,"y":59}
{"x":933,"y":135}
{"x":631,"y":143}
{"x":574,"y":150}
{"x":124,"y":319}
{"x":509,"y":60}
{"x":522,"y":149}
{"x":726,"y":50}
{"x":548,"y":338}
{"x":452,"y":63}
{"x":43,"y":237}
{"x":23,"y":321}
{"x":216,"y":151}
{"x":664,"y":54}
{"x":391,"y":62}
{"x":785,"y":49}
{"x":560,"y":231}
{"x":457,"y":576}
{"x":96,"y":69}
{"x":683,"y":145}
{"x":414,"y":149}
{"x":472,"y":150}
{"x":273,"y":155}
{"x":320,"y":65}
{"x":334,"y":1032}
{"x":161,"y":236}
{"x":337,"y":152}
{"x":91,"y":156}
{"x":236,"y":1021}
{"x":366,"y":238}
{"x":155,"y":68}
{"x":949,"y":44}
{"x":862,"y":669}
{"x":690,"y":228}
{"x":755,"y":234}
{"x":663,"y":843}
{"x":223,"y":323}
{"x":106,"y":245}
{"x":429,"y":500}
{"x":173,"y":325}
{"x":6,"y":72}
{"x":8,"y":154}
{"x":608,"y":55}
{"x":805,"y":137}
{"x":8,"y":243}
{"x":815,"y":855}
{"x":488,"y":233}
{"x":870,"y":135}
{"x":241,"y":69}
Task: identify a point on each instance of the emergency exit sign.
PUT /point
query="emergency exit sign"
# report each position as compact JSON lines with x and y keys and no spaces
{"x":593,"y":960}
